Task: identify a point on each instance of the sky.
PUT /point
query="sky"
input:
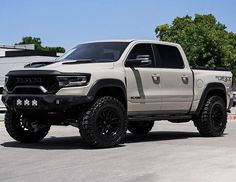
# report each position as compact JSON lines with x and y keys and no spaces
{"x":67,"y":23}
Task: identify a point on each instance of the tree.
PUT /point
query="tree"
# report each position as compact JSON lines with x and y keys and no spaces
{"x":38,"y":44}
{"x":205,"y":41}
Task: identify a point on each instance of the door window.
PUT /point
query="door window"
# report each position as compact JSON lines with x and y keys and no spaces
{"x":169,"y":56}
{"x":142,"y":49}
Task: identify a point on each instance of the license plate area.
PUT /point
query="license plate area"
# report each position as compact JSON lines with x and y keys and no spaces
{"x":27,"y":103}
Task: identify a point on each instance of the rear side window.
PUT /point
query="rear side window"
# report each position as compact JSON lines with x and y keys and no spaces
{"x":142,"y":49}
{"x":169,"y":56}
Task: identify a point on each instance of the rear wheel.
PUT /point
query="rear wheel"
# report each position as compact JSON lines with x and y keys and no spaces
{"x":104,"y":124}
{"x":21,"y":128}
{"x":140,"y":127}
{"x":179,"y":120}
{"x":213,"y":118}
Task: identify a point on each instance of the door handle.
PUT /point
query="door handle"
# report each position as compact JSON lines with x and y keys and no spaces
{"x":156,"y":78}
{"x":185,"y":79}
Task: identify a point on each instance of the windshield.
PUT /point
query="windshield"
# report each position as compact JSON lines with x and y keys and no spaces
{"x":96,"y":52}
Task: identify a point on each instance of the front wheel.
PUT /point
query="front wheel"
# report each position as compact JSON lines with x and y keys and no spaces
{"x":19,"y":128}
{"x":140,"y":127}
{"x":104,"y":124}
{"x":213,"y":118}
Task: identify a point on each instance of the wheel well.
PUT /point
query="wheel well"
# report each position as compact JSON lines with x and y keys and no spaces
{"x":115,"y":92}
{"x":217,"y":89}
{"x":217,"y":92}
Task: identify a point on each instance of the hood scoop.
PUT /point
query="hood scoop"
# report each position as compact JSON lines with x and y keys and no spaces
{"x":38,"y":64}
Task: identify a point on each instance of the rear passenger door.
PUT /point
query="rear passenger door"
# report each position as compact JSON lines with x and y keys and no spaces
{"x":176,"y":80}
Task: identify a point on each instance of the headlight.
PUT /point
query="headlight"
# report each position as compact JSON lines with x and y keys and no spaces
{"x":72,"y":81}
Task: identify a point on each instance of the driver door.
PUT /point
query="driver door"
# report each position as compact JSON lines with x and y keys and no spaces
{"x":143,"y":83}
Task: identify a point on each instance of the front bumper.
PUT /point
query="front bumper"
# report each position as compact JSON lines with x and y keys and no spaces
{"x":49,"y":102}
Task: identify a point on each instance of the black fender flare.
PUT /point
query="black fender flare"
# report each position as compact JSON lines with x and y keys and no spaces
{"x":210,"y":87}
{"x":103,"y":83}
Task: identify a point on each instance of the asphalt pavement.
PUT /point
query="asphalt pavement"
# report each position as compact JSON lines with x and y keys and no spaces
{"x":171,"y":152}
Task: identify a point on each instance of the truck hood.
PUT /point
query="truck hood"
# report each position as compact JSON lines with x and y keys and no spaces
{"x":63,"y":66}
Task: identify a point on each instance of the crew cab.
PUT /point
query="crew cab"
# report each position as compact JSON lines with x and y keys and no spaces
{"x":106,"y":87}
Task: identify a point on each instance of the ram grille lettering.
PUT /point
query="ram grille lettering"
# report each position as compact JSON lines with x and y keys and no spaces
{"x":28,"y":80}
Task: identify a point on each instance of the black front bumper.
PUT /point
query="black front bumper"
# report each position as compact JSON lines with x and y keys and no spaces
{"x":49,"y":102}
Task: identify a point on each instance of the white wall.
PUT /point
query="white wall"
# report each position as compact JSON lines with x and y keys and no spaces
{"x":10,"y":63}
{"x":3,"y":50}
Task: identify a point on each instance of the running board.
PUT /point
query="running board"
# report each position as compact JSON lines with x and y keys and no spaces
{"x":157,"y":117}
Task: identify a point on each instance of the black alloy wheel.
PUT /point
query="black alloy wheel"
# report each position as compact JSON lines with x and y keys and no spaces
{"x":108,"y":121}
{"x":140,"y":127}
{"x":104,"y":124}
{"x":213,"y":118}
{"x":20,"y":128}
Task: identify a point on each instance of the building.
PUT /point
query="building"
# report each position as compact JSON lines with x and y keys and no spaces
{"x":12,"y":57}
{"x":15,"y":56}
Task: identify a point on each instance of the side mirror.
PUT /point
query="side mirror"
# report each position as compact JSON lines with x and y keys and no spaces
{"x":139,"y":61}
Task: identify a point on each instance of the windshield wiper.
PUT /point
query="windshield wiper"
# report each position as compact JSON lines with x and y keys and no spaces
{"x":79,"y":61}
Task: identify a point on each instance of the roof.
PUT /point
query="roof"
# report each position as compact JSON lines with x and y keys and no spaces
{"x":111,"y":40}
{"x":136,"y":40}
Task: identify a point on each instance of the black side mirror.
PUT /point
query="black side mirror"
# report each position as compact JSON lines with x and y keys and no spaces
{"x":139,"y":61}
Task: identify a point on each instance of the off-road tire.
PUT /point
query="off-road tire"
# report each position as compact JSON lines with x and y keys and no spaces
{"x":213,"y":118}
{"x":96,"y":126}
{"x":140,"y":127}
{"x":17,"y":132}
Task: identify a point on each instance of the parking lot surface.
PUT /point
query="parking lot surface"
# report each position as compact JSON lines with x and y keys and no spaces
{"x":171,"y":152}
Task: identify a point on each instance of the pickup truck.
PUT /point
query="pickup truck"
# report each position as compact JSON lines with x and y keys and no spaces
{"x":106,"y":87}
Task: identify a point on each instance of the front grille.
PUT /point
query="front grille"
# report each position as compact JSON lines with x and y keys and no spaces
{"x":49,"y":82}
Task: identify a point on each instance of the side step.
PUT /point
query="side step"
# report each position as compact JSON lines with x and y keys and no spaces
{"x":157,"y":117}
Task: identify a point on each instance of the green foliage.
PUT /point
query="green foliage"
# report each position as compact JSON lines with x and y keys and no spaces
{"x":205,"y":41}
{"x":38,"y":44}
